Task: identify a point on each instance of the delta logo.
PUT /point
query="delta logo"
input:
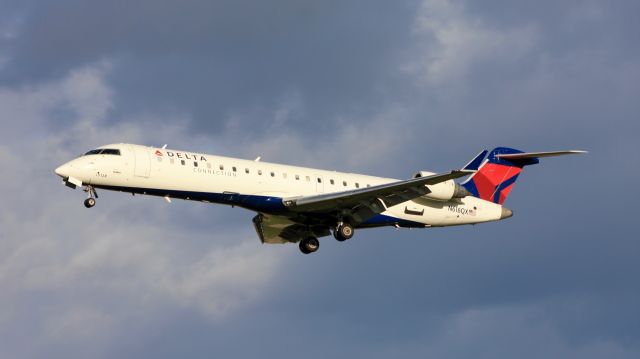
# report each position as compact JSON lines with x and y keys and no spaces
{"x":182,"y":155}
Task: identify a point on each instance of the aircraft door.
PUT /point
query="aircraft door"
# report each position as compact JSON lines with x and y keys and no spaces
{"x":142,"y":162}
{"x":319,"y":184}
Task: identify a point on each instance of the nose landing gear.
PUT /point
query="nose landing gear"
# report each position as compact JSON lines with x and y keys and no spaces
{"x":89,"y":202}
{"x":91,"y":193}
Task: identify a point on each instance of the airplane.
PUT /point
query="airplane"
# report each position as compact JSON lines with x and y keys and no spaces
{"x":298,"y":204}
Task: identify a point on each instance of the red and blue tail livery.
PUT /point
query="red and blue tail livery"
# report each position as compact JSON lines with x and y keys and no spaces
{"x":496,"y":177}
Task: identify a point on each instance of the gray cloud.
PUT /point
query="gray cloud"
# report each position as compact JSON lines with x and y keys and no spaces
{"x":359,"y":86}
{"x":248,"y":54}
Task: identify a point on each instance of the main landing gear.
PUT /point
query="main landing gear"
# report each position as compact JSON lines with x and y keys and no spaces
{"x":343,"y":232}
{"x":91,"y":193}
{"x":309,"y":245}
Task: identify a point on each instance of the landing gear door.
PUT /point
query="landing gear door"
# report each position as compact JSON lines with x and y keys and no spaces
{"x":142,"y":162}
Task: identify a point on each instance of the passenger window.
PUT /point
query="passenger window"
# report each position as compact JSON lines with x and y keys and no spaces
{"x":368,"y":185}
{"x":246,"y":170}
{"x":195,"y":164}
{"x":357,"y":185}
{"x":297,"y":177}
{"x":319,"y":180}
{"x":273,"y":174}
{"x":307,"y":178}
{"x":259,"y":172}
{"x":221,"y":167}
{"x":233,"y":168}
{"x":182,"y":161}
{"x":331,"y":181}
{"x":344,"y":183}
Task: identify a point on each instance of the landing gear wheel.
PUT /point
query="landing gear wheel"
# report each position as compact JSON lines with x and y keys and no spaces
{"x":91,"y":196}
{"x":343,"y":232}
{"x":309,"y":245}
{"x":89,"y":202}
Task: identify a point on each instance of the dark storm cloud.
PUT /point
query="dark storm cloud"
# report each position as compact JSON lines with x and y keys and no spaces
{"x":219,"y":57}
{"x":376,"y":87}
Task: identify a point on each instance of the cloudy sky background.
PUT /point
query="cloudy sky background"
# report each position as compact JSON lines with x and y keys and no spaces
{"x":380,"y":87}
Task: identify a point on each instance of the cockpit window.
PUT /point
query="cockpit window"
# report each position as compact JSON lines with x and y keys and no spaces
{"x":104,"y":151}
{"x":110,"y":151}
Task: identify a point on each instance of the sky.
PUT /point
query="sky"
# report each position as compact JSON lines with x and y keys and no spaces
{"x":378,"y":87}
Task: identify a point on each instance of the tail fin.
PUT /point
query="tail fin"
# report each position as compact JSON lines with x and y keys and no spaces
{"x":500,"y":170}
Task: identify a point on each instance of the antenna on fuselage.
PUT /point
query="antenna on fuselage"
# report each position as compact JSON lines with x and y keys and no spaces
{"x":165,"y":146}
{"x":257,"y":159}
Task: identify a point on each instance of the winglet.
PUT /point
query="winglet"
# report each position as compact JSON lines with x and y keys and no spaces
{"x":475,"y":163}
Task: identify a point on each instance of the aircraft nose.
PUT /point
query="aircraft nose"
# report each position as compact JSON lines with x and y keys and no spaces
{"x":506,"y":213}
{"x":63,"y":171}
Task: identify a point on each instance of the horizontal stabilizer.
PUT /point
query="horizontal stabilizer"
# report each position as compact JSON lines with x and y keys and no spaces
{"x":526,"y":155}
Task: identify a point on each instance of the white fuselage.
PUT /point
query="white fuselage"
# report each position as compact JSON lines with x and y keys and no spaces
{"x":258,"y":186}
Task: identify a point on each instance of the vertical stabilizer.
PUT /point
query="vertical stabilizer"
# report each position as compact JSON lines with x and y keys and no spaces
{"x":496,"y":176}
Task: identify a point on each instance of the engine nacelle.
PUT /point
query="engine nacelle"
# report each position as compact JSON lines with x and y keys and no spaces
{"x":443,"y":191}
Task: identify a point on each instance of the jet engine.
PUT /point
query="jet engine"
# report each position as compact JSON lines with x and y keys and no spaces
{"x":443,"y":191}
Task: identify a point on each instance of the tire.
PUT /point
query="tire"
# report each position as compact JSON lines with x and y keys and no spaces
{"x":343,"y":232}
{"x":303,"y":249}
{"x":309,"y":245}
{"x":89,"y":202}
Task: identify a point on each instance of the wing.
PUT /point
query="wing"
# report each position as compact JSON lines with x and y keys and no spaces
{"x":365,"y":202}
